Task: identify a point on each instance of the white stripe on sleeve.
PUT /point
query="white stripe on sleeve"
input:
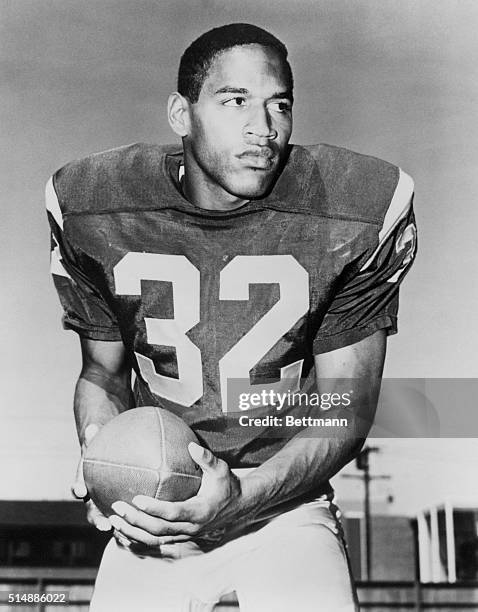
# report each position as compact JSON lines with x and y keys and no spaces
{"x":56,"y":264}
{"x":398,"y":209}
{"x":52,"y":203}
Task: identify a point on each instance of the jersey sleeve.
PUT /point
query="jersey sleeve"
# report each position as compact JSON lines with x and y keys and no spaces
{"x":84,"y":309}
{"x":369,"y":299}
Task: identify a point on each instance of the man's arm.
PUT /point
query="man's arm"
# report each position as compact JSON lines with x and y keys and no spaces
{"x":103,"y":391}
{"x":302,"y":465}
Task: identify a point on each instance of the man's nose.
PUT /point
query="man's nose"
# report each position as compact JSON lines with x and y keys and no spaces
{"x":259,"y":125}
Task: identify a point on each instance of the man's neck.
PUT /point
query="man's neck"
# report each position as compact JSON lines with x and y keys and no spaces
{"x":206,"y":194}
{"x":207,"y":199}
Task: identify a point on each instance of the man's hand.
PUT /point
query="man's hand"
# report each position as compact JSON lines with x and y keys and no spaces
{"x":153,"y":523}
{"x":94,"y":516}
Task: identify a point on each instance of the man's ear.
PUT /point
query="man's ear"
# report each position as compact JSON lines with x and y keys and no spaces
{"x":178,"y":114}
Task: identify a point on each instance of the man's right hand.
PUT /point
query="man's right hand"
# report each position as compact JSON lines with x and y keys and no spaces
{"x":94,"y":516}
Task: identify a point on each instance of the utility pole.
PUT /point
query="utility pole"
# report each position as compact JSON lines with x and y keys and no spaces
{"x":363,"y":464}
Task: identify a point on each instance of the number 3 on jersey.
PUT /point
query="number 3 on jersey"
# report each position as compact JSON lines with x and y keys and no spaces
{"x":235,"y":279}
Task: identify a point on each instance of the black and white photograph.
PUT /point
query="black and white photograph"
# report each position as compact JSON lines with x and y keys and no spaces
{"x":240,"y":309}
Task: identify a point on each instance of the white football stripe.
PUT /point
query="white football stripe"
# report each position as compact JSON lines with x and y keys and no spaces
{"x":52,"y":203}
{"x":398,"y":209}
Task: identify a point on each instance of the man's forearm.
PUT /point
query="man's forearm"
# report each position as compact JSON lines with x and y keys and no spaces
{"x":307,"y":462}
{"x":304,"y":464}
{"x":98,"y":399}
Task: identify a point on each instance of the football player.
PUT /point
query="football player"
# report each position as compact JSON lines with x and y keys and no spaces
{"x":236,"y":257}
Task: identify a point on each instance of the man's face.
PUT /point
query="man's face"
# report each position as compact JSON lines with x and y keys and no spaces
{"x":241,"y":124}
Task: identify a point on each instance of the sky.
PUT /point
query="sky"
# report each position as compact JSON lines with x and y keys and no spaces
{"x":394,"y":79}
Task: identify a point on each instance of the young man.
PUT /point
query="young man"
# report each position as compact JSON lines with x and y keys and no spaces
{"x":234,"y":258}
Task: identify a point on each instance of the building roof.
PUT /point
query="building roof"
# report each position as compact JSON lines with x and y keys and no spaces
{"x":42,"y":514}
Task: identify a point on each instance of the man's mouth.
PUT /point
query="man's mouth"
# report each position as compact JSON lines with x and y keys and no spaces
{"x":262,"y":159}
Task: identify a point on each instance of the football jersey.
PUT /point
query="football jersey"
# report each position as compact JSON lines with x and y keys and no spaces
{"x":201,"y":298}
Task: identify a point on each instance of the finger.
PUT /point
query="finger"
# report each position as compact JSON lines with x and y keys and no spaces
{"x":97,"y":518}
{"x":152,"y":524}
{"x":188,"y":511}
{"x":174,"y":539}
{"x":202,"y":456}
{"x":140,"y":548}
{"x":210,"y":465}
{"x":78,"y":489}
{"x":163,"y":540}
{"x":121,"y":539}
{"x":90,"y":432}
{"x":136,"y":534}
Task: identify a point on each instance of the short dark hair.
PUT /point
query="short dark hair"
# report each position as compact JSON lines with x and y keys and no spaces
{"x":198,"y":57}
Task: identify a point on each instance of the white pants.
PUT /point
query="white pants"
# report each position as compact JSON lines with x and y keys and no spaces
{"x":294,"y":563}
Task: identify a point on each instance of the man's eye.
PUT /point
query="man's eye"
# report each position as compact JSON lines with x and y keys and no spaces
{"x":237,"y":101}
{"x":280,"y":107}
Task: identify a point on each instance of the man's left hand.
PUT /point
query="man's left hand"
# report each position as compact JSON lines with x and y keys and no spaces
{"x":153,"y":522}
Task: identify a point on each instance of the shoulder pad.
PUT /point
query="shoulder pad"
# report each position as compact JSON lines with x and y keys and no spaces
{"x":359,"y":187}
{"x":102,"y":181}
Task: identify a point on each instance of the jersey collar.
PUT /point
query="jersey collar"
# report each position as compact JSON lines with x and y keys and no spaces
{"x":298,"y":189}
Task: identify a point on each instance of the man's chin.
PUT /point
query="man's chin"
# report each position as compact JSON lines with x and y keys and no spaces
{"x":253,"y":187}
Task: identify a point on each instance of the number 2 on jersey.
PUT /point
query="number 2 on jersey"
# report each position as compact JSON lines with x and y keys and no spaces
{"x":235,"y":279}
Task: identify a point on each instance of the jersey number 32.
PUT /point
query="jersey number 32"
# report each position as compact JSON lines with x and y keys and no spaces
{"x":234,"y":281}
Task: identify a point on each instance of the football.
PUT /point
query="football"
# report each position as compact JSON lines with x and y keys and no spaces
{"x":142,"y":451}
